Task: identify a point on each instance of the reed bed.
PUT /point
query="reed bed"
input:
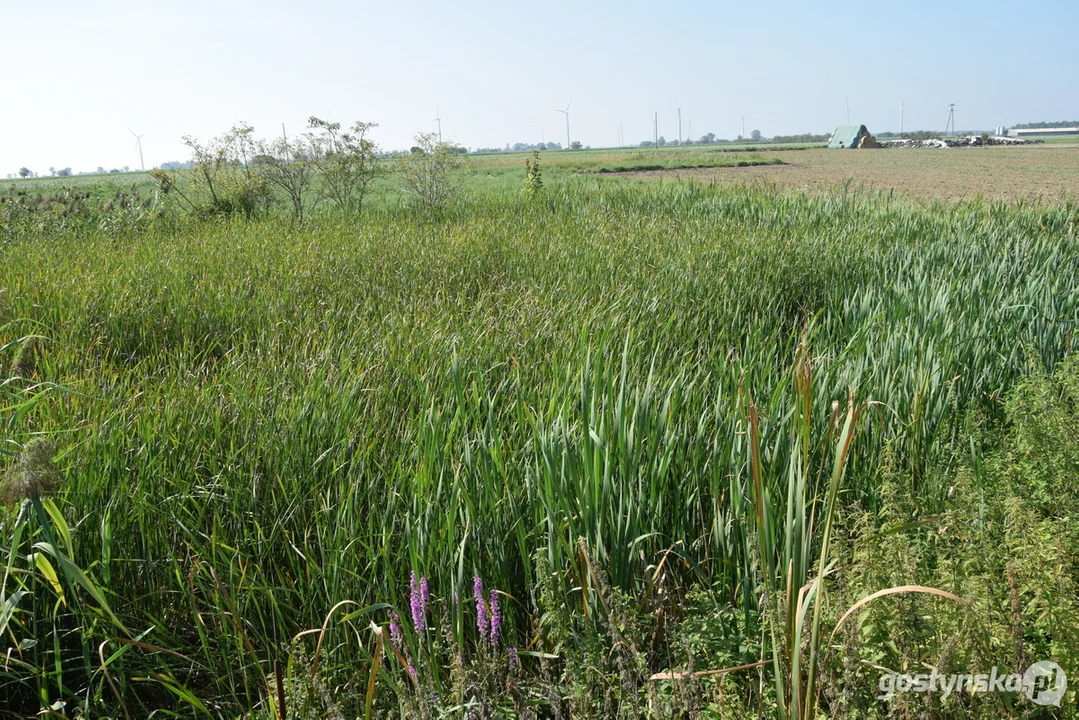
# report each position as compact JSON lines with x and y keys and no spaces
{"x":585,"y":401}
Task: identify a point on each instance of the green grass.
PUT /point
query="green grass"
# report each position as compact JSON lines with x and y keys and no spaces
{"x":258,"y":421}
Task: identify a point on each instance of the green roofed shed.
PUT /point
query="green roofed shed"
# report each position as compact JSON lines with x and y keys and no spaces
{"x":848,"y":136}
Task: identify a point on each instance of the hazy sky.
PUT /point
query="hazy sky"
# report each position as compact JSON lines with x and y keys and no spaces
{"x":78,"y":74}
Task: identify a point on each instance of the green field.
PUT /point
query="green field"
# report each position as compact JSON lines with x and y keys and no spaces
{"x":645,"y":415}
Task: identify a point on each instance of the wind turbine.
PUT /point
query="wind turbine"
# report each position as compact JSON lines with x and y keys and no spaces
{"x":138,"y":144}
{"x":566,"y":113}
{"x":439,"y":121}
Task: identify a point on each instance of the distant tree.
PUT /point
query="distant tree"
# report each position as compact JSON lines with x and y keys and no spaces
{"x":100,"y":170}
{"x":803,"y":138}
{"x":52,"y":171}
{"x":756,"y":135}
{"x":575,"y":145}
{"x":66,"y":172}
{"x":707,"y":138}
{"x":24,"y":172}
{"x":646,"y":143}
{"x":662,"y":141}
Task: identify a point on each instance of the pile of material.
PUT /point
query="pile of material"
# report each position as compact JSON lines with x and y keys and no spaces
{"x":966,"y":141}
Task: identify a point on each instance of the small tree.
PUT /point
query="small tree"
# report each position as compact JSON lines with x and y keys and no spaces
{"x":427,"y":173}
{"x":290,"y":166}
{"x":24,"y":172}
{"x":224,"y":176}
{"x":347,"y":161}
{"x":756,"y":135}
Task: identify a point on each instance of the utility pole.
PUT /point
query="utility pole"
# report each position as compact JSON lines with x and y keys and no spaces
{"x":949,"y":129}
{"x":655,"y":130}
{"x":690,"y":130}
{"x":743,"y":135}
{"x":900,"y":118}
{"x":679,"y":124}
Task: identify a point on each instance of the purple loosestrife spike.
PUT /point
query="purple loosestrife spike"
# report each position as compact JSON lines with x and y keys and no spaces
{"x":425,"y":594}
{"x":415,"y":599}
{"x":411,"y":670}
{"x":513,"y":659}
{"x":395,"y":630}
{"x":496,"y":619}
{"x":481,"y":608}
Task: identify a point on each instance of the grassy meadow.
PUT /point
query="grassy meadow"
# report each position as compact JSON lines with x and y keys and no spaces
{"x":561,"y":454}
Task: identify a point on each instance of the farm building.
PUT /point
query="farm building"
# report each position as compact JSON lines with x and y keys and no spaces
{"x":849,"y":136}
{"x":1034,"y":132}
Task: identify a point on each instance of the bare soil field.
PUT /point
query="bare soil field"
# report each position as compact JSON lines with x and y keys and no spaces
{"x":1043,"y":172}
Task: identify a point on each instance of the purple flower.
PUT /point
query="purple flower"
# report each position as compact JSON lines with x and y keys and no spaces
{"x":411,"y":670}
{"x":417,"y":598}
{"x":395,"y":630}
{"x":481,"y":608}
{"x":496,"y":619}
{"x":513,"y":659}
{"x":425,"y":594}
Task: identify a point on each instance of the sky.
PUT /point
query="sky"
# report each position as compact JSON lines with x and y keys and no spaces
{"x":81,"y":74}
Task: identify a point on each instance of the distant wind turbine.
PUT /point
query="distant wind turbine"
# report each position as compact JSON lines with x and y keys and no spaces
{"x":138,"y":144}
{"x":566,"y":113}
{"x":439,"y":121}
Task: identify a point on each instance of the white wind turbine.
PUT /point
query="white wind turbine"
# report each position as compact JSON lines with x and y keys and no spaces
{"x":566,"y":113}
{"x":138,"y":144}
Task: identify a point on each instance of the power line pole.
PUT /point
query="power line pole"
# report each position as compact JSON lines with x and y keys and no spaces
{"x":679,"y":124}
{"x":949,"y":129}
{"x":900,"y":118}
{"x":655,"y":129}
